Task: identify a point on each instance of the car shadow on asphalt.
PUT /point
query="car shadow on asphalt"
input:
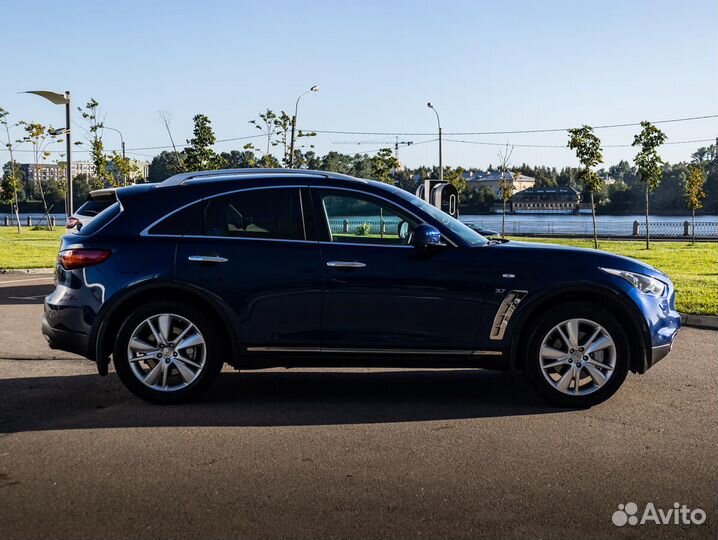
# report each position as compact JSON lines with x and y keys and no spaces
{"x":270,"y":398}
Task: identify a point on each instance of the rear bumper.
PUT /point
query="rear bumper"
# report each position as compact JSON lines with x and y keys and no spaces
{"x":65,"y":340}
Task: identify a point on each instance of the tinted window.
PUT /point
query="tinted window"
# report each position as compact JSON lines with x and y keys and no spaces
{"x":364,"y":220}
{"x":102,"y":219}
{"x":264,"y":213}
{"x":185,"y":221}
{"x":92,"y":208}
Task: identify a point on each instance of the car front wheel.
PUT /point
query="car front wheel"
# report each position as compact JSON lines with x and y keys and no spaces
{"x":578,"y":355}
{"x":167,"y":352}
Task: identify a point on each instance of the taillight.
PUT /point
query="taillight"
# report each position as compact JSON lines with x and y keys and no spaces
{"x":71,"y":259}
{"x":72,"y":222}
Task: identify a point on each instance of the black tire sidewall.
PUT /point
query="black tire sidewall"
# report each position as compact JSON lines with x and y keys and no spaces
{"x":213,"y":363}
{"x":576,"y":311}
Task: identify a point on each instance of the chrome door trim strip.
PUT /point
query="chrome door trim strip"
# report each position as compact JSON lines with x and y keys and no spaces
{"x":351,"y":350}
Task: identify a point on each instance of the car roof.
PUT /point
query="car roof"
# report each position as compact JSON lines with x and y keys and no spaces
{"x":191,"y":178}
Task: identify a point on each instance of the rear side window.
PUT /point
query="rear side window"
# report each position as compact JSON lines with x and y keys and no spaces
{"x":102,"y":219}
{"x":92,"y":207}
{"x":261,"y":213}
{"x":184,"y":221}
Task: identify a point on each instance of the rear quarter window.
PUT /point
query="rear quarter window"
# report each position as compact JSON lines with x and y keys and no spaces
{"x":184,"y":221}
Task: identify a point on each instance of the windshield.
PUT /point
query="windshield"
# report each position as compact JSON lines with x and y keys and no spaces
{"x":467,"y":234}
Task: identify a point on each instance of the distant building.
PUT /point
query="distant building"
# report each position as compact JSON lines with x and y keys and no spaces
{"x":479,"y":179}
{"x":541,"y":200}
{"x":53,"y":172}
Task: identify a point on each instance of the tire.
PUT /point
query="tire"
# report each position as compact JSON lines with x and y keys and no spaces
{"x":172,"y":372}
{"x":602,"y":366}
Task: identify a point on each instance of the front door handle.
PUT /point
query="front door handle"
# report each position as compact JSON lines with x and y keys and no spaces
{"x":345,"y":264}
{"x":206,"y":259}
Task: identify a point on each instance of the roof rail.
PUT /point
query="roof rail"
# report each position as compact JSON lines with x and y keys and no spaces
{"x":182,"y":178}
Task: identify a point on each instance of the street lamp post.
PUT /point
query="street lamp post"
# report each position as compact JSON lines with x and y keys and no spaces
{"x":62,"y":99}
{"x":314,"y":88}
{"x":441,"y":164}
{"x":122,"y":142}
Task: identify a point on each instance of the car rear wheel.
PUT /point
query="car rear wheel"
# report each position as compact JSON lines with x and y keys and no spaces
{"x":578,"y":355}
{"x":167,"y":352}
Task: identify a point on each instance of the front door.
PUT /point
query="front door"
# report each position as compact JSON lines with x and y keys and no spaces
{"x":382,"y":293}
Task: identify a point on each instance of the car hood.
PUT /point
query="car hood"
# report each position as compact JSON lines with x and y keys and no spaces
{"x":580,"y":256}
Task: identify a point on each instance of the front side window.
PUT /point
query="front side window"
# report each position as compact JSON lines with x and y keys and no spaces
{"x":261,"y":213}
{"x":364,"y":220}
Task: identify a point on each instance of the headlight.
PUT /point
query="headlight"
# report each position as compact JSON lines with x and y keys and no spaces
{"x":645,"y":284}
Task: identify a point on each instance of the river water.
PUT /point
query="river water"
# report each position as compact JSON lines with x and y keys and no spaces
{"x":558,"y":224}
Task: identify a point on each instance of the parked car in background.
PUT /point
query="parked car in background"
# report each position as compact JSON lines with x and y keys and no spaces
{"x":483,"y":231}
{"x":244,"y":267}
{"x":95,"y":203}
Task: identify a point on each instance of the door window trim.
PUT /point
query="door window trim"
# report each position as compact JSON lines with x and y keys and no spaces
{"x":145,"y":232}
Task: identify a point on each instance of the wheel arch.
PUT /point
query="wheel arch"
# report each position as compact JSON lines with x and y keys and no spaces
{"x":628,"y":315}
{"x":111,"y":317}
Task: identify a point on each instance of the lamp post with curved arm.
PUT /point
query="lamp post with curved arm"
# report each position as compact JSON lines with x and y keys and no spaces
{"x":62,"y":99}
{"x":314,"y":88}
{"x":438,"y":121}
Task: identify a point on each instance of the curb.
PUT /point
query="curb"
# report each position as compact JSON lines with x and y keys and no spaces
{"x":27,"y":271}
{"x":709,"y":322}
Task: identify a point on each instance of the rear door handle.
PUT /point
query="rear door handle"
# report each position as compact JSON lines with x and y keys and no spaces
{"x":206,"y":259}
{"x":345,"y":264}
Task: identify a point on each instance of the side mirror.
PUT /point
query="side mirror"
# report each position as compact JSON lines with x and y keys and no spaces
{"x":424,"y":236}
{"x":403,"y":230}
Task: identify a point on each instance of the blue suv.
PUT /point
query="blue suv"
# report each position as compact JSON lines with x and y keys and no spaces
{"x":286,"y":268}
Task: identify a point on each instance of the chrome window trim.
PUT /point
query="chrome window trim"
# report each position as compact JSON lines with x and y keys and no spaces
{"x":145,"y":232}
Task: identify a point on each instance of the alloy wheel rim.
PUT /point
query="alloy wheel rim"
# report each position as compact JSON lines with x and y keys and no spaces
{"x":577,"y":357}
{"x":166,"y":352}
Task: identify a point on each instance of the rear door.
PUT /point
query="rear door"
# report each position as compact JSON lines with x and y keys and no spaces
{"x":254,"y":254}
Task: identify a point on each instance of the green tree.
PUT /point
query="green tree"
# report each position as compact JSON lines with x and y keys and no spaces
{"x":122,"y":170}
{"x":267,"y":125}
{"x":199,"y":155}
{"x":10,"y":185}
{"x":588,"y":151}
{"x":455,"y":177}
{"x":40,"y":137}
{"x":648,"y":162}
{"x":164,"y":165}
{"x":383,"y":164}
{"x":91,"y":114}
{"x":694,"y":194}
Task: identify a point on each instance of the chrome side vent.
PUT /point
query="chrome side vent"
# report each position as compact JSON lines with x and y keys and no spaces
{"x":504,"y":313}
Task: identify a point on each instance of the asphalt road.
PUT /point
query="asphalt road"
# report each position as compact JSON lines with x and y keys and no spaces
{"x":347,"y":454}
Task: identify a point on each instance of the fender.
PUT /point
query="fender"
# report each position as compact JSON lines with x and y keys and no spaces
{"x":110,"y":308}
{"x":532,"y":303}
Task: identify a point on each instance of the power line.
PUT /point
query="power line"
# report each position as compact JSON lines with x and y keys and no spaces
{"x":485,"y":143}
{"x":512,"y":132}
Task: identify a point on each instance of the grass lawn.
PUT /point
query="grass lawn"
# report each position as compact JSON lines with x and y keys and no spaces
{"x":31,"y":249}
{"x":693,"y":268}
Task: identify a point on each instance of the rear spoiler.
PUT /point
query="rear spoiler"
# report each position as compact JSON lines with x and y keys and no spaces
{"x":107,"y":194}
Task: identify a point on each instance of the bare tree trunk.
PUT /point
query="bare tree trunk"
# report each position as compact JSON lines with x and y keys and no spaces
{"x":15,"y":180}
{"x":593,"y":214}
{"x":503,"y":220}
{"x":648,"y":241}
{"x":693,"y":225}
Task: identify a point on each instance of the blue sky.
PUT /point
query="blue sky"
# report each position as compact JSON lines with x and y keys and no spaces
{"x":485,"y":66}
